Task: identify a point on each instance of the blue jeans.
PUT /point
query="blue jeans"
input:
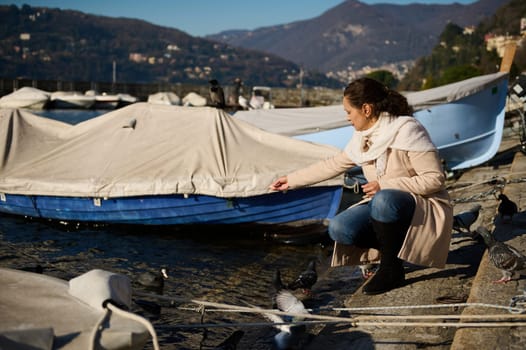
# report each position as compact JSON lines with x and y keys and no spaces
{"x":353,"y":226}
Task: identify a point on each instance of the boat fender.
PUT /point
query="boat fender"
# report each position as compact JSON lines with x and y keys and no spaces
{"x":97,"y":287}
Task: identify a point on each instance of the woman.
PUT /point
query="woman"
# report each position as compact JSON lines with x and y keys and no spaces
{"x":406,"y":214}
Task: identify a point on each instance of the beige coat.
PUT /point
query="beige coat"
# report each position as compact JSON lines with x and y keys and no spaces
{"x":421,"y":174}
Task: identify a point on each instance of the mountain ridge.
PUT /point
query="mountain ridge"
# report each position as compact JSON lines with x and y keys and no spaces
{"x":47,"y":43}
{"x":346,"y":35}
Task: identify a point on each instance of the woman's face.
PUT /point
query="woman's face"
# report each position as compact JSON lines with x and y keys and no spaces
{"x":361,"y":118}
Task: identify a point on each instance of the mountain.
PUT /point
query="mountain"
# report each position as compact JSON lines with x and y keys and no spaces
{"x":47,"y":44}
{"x":354,"y":34}
{"x":461,"y":55}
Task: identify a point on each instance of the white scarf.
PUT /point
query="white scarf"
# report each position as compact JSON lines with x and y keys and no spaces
{"x":402,"y":133}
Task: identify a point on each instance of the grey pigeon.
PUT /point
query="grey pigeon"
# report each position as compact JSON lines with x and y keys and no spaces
{"x":290,"y":335}
{"x":217,"y":95}
{"x":231,"y":342}
{"x":153,"y":281}
{"x":462,"y":222}
{"x":506,"y":258}
{"x":507,"y":207}
{"x":306,"y":279}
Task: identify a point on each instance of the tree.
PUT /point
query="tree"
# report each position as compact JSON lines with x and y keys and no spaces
{"x":385,"y":77}
{"x":458,"y":73}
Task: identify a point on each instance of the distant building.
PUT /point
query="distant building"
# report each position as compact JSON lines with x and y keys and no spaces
{"x":137,"y":57}
{"x":499,"y":42}
{"x":469,"y":30}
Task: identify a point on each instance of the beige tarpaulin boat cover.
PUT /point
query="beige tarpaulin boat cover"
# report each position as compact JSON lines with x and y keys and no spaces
{"x":452,"y":92}
{"x":296,"y":121}
{"x":39,"y":312}
{"x":307,"y":120}
{"x":147,"y":149}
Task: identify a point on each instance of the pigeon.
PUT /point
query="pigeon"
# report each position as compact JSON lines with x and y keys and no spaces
{"x":153,"y":281}
{"x":306,"y":279}
{"x":231,"y":342}
{"x":506,"y":207}
{"x":289,"y":334}
{"x":217,"y":96}
{"x":506,"y":258}
{"x":462,"y":222}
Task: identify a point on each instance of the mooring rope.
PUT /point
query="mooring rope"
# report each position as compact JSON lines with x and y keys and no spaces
{"x":430,"y":306}
{"x":514,"y":319}
{"x":498,"y":184}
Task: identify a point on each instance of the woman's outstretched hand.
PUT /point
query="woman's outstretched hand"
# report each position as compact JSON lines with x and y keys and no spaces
{"x":281,"y":184}
{"x":371,"y":188}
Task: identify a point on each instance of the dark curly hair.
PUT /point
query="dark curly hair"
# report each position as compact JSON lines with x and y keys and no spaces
{"x":379,"y":96}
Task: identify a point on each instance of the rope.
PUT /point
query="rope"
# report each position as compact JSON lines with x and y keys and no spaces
{"x":372,"y":320}
{"x":137,"y":318}
{"x":498,"y":181}
{"x":495,"y":180}
{"x":431,"y":306}
{"x":356,"y":323}
{"x":96,"y":329}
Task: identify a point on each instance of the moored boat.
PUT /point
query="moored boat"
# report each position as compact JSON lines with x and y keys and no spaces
{"x":164,"y":98}
{"x":110,"y":101}
{"x":157,"y":165}
{"x":103,"y":100}
{"x":26,"y":97}
{"x":71,"y":99}
{"x":465,"y":120}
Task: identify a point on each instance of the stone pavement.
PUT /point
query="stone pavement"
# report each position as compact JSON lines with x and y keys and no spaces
{"x":467,"y":278}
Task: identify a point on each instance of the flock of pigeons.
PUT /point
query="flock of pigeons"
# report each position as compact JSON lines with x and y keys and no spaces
{"x":284,"y":300}
{"x":291,"y":330}
{"x":504,"y":257}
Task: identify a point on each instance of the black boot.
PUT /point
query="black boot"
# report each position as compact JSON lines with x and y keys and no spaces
{"x":391,"y":273}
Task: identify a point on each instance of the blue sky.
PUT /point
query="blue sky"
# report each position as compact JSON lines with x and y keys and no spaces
{"x":202,"y":17}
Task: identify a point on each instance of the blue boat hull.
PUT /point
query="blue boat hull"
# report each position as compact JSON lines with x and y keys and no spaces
{"x":467,"y":132}
{"x":307,"y":205}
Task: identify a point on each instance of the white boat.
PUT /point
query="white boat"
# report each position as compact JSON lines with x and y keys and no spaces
{"x":126,"y":99}
{"x":261,"y":98}
{"x":193,"y":99}
{"x":464,"y":119}
{"x":71,"y":99}
{"x":164,"y":98}
{"x":26,"y":97}
{"x":110,"y":101}
{"x":104,"y":100}
{"x":43,"y":312}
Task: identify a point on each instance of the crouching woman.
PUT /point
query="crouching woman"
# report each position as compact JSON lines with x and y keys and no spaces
{"x":406,"y":214}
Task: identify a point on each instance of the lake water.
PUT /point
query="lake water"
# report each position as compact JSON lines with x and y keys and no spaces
{"x":203,"y":263}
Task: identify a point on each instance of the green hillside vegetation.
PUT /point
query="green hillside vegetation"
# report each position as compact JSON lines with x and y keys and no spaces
{"x":460,"y":56}
{"x":47,"y":43}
